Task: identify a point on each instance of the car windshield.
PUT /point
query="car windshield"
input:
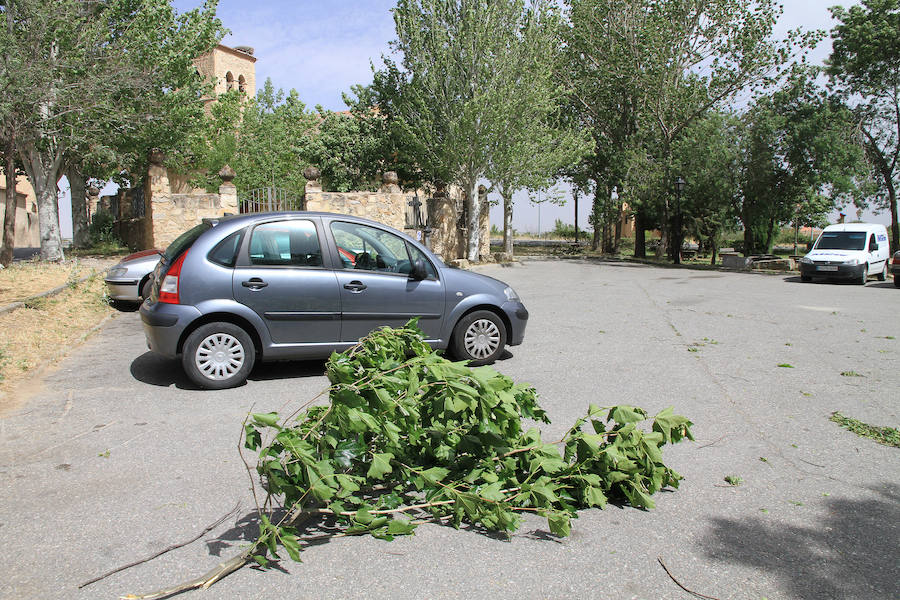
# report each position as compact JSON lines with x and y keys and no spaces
{"x":842,"y":240}
{"x":185,"y":240}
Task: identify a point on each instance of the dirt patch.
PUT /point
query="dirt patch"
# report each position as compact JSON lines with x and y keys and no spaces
{"x":46,"y":329}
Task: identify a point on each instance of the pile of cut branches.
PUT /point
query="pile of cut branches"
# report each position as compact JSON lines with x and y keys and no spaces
{"x":409,"y":436}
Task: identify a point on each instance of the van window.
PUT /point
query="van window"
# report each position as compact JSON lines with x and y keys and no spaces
{"x":842,"y":240}
{"x":873,"y":243}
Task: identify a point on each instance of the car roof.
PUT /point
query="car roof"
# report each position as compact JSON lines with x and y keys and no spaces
{"x":854,"y":227}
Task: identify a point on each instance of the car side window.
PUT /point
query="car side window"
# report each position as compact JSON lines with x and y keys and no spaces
{"x":873,"y":243}
{"x":292,"y":243}
{"x":416,"y":254}
{"x":225,"y":252}
{"x":370,"y":249}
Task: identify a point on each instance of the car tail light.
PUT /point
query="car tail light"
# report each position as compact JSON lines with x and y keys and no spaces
{"x":168,"y":289}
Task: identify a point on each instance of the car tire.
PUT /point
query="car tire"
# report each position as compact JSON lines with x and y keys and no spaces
{"x":217,"y":356}
{"x":865,"y":275}
{"x":884,"y":273}
{"x":479,"y":338}
{"x":146,"y":286}
{"x":805,"y":278}
{"x":897,"y":281}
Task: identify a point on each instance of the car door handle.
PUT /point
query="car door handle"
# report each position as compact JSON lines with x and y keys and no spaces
{"x":355,"y":287}
{"x":255,"y":283}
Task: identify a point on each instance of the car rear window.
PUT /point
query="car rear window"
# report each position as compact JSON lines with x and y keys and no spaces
{"x":185,"y":240}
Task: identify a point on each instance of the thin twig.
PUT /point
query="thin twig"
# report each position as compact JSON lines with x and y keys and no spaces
{"x":713,"y":443}
{"x":678,"y":583}
{"x":161,"y":552}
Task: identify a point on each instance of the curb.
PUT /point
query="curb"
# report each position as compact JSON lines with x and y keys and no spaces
{"x":47,"y":294}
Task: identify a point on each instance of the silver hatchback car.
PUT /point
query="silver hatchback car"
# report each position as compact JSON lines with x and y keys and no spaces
{"x":300,"y":285}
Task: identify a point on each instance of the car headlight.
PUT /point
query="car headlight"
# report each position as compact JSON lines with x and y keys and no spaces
{"x":511,"y":294}
{"x":806,"y":260}
{"x":117,"y":271}
{"x":851,"y":262}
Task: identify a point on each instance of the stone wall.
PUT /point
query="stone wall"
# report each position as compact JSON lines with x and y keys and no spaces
{"x":387,"y":205}
{"x":166,"y":214}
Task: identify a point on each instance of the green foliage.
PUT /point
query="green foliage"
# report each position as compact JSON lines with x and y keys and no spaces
{"x":101,"y":233}
{"x":410,"y":434}
{"x":888,"y":436}
{"x":733,"y":480}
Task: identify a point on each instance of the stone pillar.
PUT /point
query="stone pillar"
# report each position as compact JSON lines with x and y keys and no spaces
{"x":93,"y":201}
{"x":160,"y":206}
{"x":442,"y":218}
{"x":312,"y":199}
{"x":484,"y":225}
{"x":389,"y":183}
{"x":228,"y":202}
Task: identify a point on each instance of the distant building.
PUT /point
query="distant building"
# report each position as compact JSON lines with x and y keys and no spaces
{"x":27,"y":230}
{"x":229,"y":69}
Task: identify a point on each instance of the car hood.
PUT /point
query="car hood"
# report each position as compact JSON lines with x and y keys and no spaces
{"x":471,"y":283}
{"x":833,"y":254}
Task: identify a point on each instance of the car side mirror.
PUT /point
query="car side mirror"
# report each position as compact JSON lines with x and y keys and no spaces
{"x":418,"y":272}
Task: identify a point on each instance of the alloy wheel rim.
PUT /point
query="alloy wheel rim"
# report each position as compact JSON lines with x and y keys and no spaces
{"x":482,"y":338}
{"x":219,"y":356}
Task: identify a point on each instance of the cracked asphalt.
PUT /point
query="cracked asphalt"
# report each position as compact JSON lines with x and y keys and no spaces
{"x":116,"y":456}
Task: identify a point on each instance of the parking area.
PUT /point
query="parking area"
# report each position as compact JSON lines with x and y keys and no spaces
{"x":117,"y":456}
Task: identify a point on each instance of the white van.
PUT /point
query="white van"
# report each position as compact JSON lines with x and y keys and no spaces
{"x":848,"y":251}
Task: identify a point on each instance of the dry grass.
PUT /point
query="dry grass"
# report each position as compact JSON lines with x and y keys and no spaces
{"x":23,"y":280}
{"x":42,"y":331}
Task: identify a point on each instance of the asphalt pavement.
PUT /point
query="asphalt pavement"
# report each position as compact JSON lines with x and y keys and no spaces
{"x":117,"y":456}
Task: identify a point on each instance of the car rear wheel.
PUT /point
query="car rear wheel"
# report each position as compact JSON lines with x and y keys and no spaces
{"x":218,"y":356}
{"x":146,"y":286}
{"x":479,"y":338}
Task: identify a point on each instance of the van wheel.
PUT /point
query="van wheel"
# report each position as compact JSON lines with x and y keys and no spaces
{"x":897,"y":281}
{"x":883,"y":275}
{"x":218,"y":356}
{"x":479,"y":338}
{"x":865,"y":275}
{"x":805,"y":278}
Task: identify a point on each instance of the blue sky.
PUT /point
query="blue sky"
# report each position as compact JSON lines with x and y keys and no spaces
{"x":322,"y":48}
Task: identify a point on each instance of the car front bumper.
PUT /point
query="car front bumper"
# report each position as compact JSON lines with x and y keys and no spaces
{"x":518,"y":319}
{"x":123,"y":289}
{"x":164,"y":325}
{"x":832,"y":271}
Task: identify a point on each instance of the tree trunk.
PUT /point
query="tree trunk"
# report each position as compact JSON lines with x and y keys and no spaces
{"x":596,"y":220}
{"x":895,"y":230}
{"x":43,"y":171}
{"x":507,"y":223}
{"x":617,"y":241}
{"x":575,"y":197}
{"x":80,"y":233}
{"x":9,"y":217}
{"x":640,"y":241}
{"x":473,"y":206}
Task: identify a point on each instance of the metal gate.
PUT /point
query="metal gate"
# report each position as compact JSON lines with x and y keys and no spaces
{"x":269,"y":199}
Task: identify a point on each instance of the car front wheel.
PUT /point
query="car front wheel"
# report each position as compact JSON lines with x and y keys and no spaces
{"x":479,"y":338}
{"x":218,"y":356}
{"x":864,"y":276}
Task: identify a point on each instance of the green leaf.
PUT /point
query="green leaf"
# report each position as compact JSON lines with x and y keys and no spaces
{"x":266,"y":419}
{"x":626,"y":414}
{"x":381,"y":465}
{"x":401,"y":527}
{"x":559,"y":524}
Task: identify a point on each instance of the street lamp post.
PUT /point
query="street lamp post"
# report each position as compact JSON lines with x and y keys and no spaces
{"x":679,"y":188}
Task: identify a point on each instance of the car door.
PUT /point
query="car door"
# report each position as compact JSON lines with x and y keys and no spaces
{"x":375,"y":285}
{"x":282,"y":277}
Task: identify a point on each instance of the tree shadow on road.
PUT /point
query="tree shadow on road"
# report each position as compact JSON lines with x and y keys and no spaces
{"x":853,"y":553}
